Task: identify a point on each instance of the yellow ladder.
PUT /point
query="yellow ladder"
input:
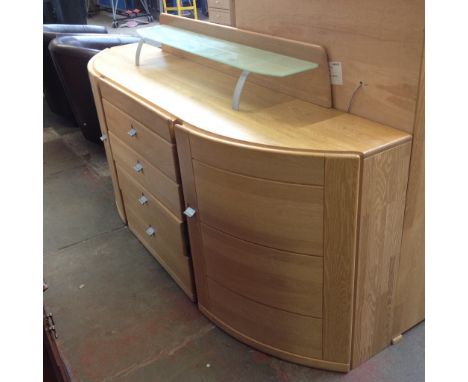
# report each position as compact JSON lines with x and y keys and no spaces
{"x":179,"y":7}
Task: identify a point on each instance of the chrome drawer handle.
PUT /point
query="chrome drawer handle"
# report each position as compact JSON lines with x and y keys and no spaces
{"x":138,"y":167}
{"x":150,"y":231}
{"x":103,"y":137}
{"x":143,"y":200}
{"x":190,"y":212}
{"x":132,"y":132}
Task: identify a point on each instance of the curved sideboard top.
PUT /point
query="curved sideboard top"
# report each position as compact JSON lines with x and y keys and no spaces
{"x":201,"y":97}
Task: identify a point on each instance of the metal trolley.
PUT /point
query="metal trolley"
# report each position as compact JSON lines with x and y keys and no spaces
{"x":114,"y":7}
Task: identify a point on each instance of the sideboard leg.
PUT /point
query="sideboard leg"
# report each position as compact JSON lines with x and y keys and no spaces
{"x":397,"y":339}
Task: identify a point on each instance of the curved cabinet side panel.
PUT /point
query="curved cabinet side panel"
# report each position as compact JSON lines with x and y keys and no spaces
{"x":93,"y":77}
{"x":340,"y":241}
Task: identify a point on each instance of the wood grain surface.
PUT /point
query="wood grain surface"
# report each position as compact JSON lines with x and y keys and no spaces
{"x":148,"y":115}
{"x":409,"y":304}
{"x":178,"y":266}
{"x":169,"y":228}
{"x":159,"y":185}
{"x":283,"y":330}
{"x":184,"y":153}
{"x":377,"y":41}
{"x":278,"y":215}
{"x":342,"y":177}
{"x":153,"y":147}
{"x":282,"y":354}
{"x":95,"y":87}
{"x":384,"y":182}
{"x":201,"y":97}
{"x":258,"y":162}
{"x":275,"y":278}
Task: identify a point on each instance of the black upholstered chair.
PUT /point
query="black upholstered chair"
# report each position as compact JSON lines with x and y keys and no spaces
{"x":52,"y":86}
{"x":71,"y":55}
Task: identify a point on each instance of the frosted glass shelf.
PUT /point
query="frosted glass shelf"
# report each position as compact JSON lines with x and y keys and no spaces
{"x":243,"y":57}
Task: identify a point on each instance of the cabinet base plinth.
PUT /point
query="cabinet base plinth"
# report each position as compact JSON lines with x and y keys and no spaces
{"x":397,"y":339}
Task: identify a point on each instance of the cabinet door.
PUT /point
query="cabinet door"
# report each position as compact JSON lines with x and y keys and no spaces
{"x":257,"y":241}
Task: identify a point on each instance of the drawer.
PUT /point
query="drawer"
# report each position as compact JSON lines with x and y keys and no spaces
{"x":155,"y":149}
{"x":289,"y":332}
{"x":163,"y":188}
{"x":278,"y":215}
{"x":179,"y":267}
{"x":271,"y":277}
{"x":220,"y":4}
{"x":148,"y":116}
{"x":220,"y":16}
{"x":168,"y":227}
{"x":259,"y":162}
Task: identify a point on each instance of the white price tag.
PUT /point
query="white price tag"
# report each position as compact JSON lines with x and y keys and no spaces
{"x":336,"y":74}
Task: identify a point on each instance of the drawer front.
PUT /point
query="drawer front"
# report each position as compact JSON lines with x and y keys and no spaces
{"x":150,"y":117}
{"x":164,"y":189}
{"x":155,"y":149}
{"x":220,"y":4}
{"x":278,"y":215}
{"x":220,"y":16}
{"x":286,"y":167}
{"x":275,"y":278}
{"x":179,"y":267}
{"x":168,"y":227}
{"x":276,"y":328}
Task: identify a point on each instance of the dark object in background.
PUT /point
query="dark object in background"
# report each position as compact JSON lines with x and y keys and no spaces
{"x":71,"y":55}
{"x":64,"y":12}
{"x":53,"y":367}
{"x":52,"y":86}
{"x":48,"y":12}
{"x":204,"y":7}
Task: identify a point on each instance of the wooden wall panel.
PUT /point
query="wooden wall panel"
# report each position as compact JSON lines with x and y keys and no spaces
{"x":409,"y":300}
{"x":382,"y":207}
{"x":377,"y":41}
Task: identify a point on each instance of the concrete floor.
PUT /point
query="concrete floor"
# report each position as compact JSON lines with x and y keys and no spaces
{"x":119,"y":315}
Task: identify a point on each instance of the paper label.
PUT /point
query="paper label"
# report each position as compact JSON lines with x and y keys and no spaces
{"x":336,"y":74}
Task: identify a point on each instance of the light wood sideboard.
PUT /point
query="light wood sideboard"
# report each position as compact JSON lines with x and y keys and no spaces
{"x":297,"y":209}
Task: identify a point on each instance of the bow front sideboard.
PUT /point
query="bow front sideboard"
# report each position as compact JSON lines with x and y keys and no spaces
{"x":282,"y":220}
